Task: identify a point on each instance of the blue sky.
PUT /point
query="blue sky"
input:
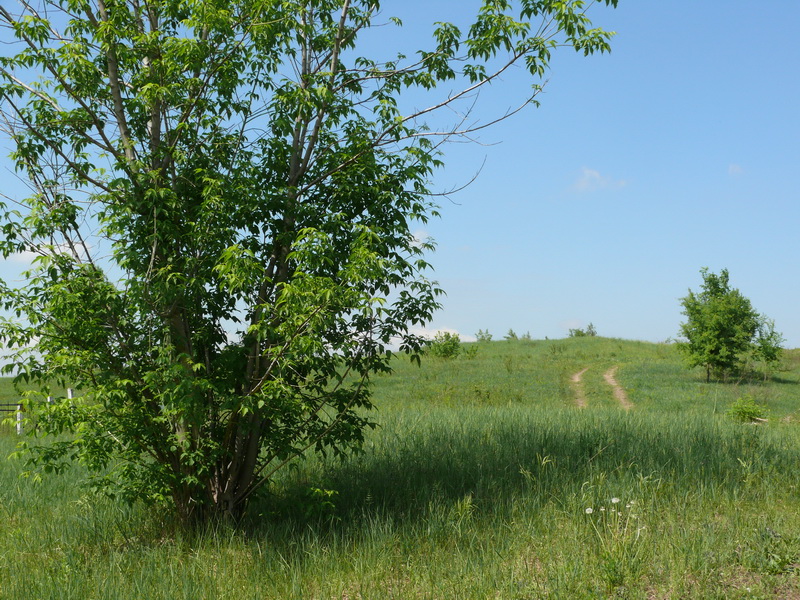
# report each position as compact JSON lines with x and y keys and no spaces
{"x":679,"y":150}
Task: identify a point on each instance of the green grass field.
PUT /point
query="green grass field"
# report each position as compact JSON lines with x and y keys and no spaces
{"x":484,"y":480}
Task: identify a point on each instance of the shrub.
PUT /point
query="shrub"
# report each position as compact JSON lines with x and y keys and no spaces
{"x":746,"y":410}
{"x":445,"y":345}
{"x":590,"y":331}
{"x":471,"y":351}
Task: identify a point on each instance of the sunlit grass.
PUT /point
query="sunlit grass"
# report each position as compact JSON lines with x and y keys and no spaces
{"x":476,"y":485}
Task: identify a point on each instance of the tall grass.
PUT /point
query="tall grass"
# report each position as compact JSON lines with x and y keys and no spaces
{"x":483,"y":481}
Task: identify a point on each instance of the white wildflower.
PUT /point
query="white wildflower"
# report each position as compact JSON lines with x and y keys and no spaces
{"x":615,"y":501}
{"x":589,"y":510}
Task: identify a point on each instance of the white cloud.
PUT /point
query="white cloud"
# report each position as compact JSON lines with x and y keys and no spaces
{"x":591,"y":180}
{"x":431,"y":333}
{"x":420,"y":238}
{"x":23,"y":258}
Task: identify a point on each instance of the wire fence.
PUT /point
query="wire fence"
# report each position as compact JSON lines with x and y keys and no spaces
{"x":7,"y":408}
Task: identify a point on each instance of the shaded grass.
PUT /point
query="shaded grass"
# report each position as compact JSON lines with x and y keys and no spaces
{"x":476,"y":485}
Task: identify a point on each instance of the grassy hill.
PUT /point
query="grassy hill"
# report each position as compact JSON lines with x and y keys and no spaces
{"x":485,"y":479}
{"x":538,"y":372}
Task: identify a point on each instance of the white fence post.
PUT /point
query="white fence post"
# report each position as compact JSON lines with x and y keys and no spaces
{"x":69,"y":393}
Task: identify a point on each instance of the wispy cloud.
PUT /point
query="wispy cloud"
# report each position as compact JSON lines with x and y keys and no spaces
{"x":26,"y":257}
{"x":734,"y":170}
{"x":591,"y":180}
{"x":571,"y":324}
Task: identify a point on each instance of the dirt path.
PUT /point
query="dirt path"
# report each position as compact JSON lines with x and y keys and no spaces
{"x":619,"y":393}
{"x":577,"y":385}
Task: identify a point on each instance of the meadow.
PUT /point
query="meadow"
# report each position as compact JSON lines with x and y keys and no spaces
{"x":484,"y":479}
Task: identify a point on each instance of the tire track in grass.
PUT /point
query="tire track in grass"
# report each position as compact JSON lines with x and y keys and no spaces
{"x":619,"y":393}
{"x":577,"y":386}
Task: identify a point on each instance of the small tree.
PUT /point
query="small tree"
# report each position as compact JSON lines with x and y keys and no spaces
{"x":223,"y":202}
{"x":768,"y":345}
{"x":723,"y":328}
{"x":483,"y":335}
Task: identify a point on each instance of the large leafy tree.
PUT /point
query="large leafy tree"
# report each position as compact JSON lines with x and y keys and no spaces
{"x":221,"y":210}
{"x":722,"y":329}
